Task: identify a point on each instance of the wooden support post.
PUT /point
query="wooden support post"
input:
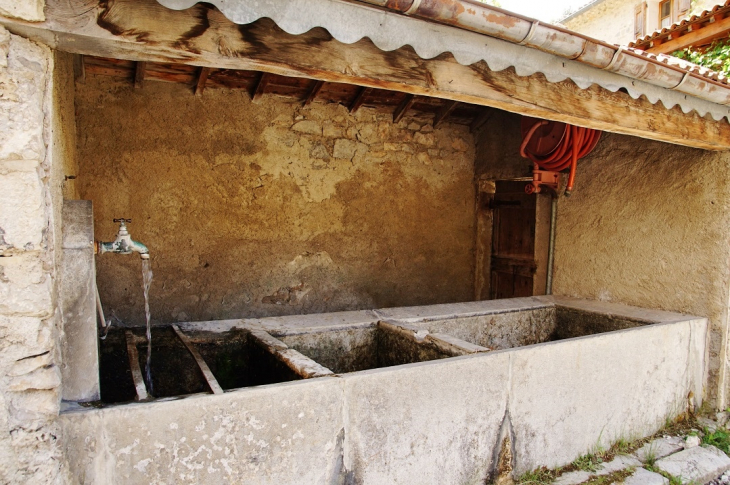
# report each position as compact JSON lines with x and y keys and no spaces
{"x":209,"y":377}
{"x":139,"y":384}
{"x":316,"y":88}
{"x":79,"y":69}
{"x":444,"y":112}
{"x":481,"y":119}
{"x":202,"y":79}
{"x":260,"y":87}
{"x":359,"y":99}
{"x":139,"y":69}
{"x":403,"y":107}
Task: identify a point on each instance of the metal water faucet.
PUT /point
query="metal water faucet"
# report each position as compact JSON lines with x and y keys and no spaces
{"x":123,"y":244}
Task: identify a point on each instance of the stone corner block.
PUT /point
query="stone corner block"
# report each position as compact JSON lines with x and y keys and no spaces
{"x":22,"y":218}
{"x":645,"y":477}
{"x":30,"y":10}
{"x":78,"y":224}
{"x":619,"y":463}
{"x":572,"y":478}
{"x":699,"y":464}
{"x":659,"y":448}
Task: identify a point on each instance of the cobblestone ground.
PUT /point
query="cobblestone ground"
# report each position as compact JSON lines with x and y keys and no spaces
{"x":693,"y":452}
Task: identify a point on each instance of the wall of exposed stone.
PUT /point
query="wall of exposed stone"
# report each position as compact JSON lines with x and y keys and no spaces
{"x":271,"y":208}
{"x":30,"y":10}
{"x":30,"y":189}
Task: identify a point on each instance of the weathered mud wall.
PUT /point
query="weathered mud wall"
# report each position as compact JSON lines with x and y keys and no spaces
{"x":648,"y":225}
{"x":270,"y":208}
{"x":498,"y":149}
{"x":33,"y":98}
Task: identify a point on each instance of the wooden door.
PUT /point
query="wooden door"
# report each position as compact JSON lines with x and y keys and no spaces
{"x":513,"y":263}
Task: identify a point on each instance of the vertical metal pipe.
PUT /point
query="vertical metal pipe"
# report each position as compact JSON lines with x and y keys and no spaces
{"x":99,"y":308}
{"x":551,"y":246}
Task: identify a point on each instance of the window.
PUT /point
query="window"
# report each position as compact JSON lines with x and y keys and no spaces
{"x":665,"y":13}
{"x":639,"y":22}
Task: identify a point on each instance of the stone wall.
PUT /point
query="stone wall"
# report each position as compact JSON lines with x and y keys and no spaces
{"x":271,"y":208}
{"x":30,"y":10}
{"x":29,"y":321}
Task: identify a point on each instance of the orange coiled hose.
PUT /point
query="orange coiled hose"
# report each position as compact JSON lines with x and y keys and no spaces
{"x":577,"y":143}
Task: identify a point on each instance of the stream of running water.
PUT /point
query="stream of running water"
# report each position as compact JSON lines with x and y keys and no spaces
{"x":146,"y":282}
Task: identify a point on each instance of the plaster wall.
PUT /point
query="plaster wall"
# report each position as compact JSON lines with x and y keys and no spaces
{"x":613,"y":20}
{"x":30,"y":324}
{"x":271,"y":208}
{"x":648,"y":225}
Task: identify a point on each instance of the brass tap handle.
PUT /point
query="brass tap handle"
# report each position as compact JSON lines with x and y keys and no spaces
{"x":128,"y":221}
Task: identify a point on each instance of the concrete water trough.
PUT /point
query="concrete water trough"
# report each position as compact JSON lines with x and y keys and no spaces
{"x":429,"y":394}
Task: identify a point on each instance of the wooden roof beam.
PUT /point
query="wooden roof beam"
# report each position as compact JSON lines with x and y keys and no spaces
{"x":444,"y":112}
{"x":79,"y":69}
{"x":71,"y":26}
{"x":139,"y":70}
{"x":403,"y":107}
{"x":260,"y":88}
{"x":316,"y":88}
{"x":481,"y":119}
{"x":203,"y":74}
{"x":359,"y":99}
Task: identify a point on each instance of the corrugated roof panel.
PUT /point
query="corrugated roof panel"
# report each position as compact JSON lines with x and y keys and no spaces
{"x":495,"y":36}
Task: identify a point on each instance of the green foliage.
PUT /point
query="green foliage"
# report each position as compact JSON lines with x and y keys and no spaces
{"x":720,"y":438}
{"x":588,"y":463}
{"x":715,"y":57}
{"x":541,"y":476}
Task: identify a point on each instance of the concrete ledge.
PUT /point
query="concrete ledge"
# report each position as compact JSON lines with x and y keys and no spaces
{"x":461,"y":310}
{"x":618,"y":310}
{"x":281,"y":434}
{"x":440,"y":421}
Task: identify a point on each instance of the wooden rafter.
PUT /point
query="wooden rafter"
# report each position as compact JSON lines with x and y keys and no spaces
{"x":73,"y":27}
{"x":139,"y":69}
{"x":79,"y":69}
{"x":444,"y":112}
{"x":202,"y":365}
{"x":359,"y":99}
{"x":316,"y":88}
{"x":481,"y":119}
{"x":403,"y":107}
{"x":202,"y":79}
{"x":258,"y":91}
{"x":139,"y":384}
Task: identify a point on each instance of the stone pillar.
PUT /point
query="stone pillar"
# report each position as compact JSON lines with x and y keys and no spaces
{"x":30,"y":10}
{"x":79,"y":344}
{"x":29,"y":321}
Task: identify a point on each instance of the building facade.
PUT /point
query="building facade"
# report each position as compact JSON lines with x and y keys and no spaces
{"x":623,"y":21}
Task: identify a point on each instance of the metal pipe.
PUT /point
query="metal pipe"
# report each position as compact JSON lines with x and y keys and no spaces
{"x":551,"y":246}
{"x":496,"y":22}
{"x":99,"y":308}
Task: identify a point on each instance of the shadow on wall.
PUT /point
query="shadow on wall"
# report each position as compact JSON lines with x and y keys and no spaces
{"x":272,"y":208}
